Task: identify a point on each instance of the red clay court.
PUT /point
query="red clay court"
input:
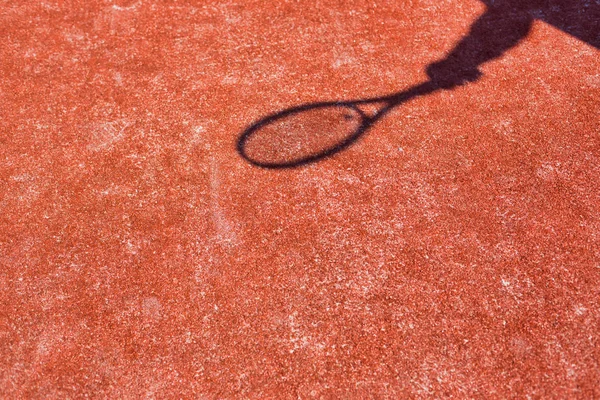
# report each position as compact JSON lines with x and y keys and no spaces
{"x":300,"y":200}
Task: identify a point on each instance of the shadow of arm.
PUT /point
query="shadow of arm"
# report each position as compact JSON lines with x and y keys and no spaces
{"x":495,"y":32}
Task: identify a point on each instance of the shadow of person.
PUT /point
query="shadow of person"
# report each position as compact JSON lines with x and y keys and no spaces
{"x":310,"y":132}
{"x":503,"y":25}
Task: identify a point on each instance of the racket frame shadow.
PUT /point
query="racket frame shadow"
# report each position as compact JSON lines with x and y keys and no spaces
{"x":389,"y":102}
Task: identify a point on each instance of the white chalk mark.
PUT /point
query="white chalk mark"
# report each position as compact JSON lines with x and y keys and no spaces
{"x":225,"y":232}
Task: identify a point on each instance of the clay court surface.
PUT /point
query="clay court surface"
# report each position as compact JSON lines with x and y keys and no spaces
{"x":452,"y":251}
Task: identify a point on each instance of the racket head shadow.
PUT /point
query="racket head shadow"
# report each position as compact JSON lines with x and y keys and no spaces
{"x":301,"y":135}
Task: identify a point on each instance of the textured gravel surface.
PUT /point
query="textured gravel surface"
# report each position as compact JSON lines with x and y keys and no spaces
{"x":453,"y":250}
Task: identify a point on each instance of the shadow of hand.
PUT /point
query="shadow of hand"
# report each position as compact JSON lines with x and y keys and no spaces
{"x":447,"y":74}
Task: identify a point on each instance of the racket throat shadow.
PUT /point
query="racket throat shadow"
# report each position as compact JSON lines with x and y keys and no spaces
{"x":373,"y":110}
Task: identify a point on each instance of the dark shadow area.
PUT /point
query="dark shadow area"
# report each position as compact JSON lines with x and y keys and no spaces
{"x":310,"y":132}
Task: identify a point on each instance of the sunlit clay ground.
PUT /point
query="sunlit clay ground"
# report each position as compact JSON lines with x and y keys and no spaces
{"x":451,"y":251}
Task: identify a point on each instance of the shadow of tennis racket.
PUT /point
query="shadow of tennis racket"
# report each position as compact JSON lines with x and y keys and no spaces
{"x":304,"y":134}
